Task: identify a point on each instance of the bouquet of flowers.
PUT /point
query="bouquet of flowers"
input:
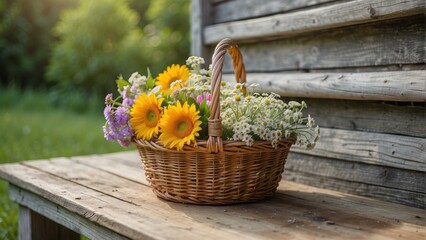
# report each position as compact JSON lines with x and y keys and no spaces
{"x":203,"y":140}
{"x":174,"y":108}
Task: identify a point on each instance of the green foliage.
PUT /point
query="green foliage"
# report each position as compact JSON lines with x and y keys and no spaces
{"x":98,"y":41}
{"x":167,"y":33}
{"x":26,"y":39}
{"x":93,"y":44}
{"x":33,"y":127}
{"x":204,"y":117}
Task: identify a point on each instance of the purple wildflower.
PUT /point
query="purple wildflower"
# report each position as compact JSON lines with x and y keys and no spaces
{"x":107,"y":113}
{"x":134,"y":90}
{"x":107,"y":134}
{"x":108,"y":99}
{"x":125,"y":92}
{"x":121,"y":115}
{"x":127,"y":102}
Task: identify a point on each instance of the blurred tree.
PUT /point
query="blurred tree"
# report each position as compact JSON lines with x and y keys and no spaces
{"x":141,"y":6}
{"x":98,"y":41}
{"x":167,"y":32}
{"x":26,"y":39}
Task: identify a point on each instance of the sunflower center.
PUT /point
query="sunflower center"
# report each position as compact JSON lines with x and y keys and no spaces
{"x":184,"y":128}
{"x":152,"y":117}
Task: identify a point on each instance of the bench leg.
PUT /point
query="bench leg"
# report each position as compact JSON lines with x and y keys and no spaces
{"x":33,"y":226}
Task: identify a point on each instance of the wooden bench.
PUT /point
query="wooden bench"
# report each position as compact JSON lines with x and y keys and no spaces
{"x":107,"y":197}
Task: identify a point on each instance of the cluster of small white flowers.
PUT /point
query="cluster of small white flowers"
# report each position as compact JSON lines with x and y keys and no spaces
{"x":136,"y":81}
{"x":243,"y":131}
{"x":249,"y":116}
{"x":265,"y":117}
{"x":194,"y":62}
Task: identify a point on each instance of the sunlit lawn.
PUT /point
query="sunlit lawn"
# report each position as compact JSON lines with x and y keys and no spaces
{"x":32,"y":128}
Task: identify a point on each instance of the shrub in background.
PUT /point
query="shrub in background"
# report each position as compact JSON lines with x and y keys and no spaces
{"x":26,"y":39}
{"x":167,"y":33}
{"x":98,"y":41}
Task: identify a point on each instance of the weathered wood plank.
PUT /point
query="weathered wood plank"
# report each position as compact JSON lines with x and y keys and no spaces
{"x":333,"y":16}
{"x":33,"y":226}
{"x":239,"y":216}
{"x":371,"y":116}
{"x":372,"y":148}
{"x":378,"y":176}
{"x":412,"y":199}
{"x":387,"y":177}
{"x":24,"y":221}
{"x":129,"y":191}
{"x":276,"y":218}
{"x":142,"y":221}
{"x":242,"y":9}
{"x":387,"y":86}
{"x":127,"y":165}
{"x":200,"y":17}
{"x":397,"y":41}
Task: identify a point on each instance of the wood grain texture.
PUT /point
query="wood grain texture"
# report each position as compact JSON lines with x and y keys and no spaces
{"x":387,"y":86}
{"x":127,"y":165}
{"x":397,"y":41}
{"x":141,"y":221}
{"x":395,"y":178}
{"x":333,"y":16}
{"x":144,"y":208}
{"x":33,"y":226}
{"x":408,"y":198}
{"x":24,"y":221}
{"x":296,"y":212}
{"x":242,"y":9}
{"x":369,"y":116}
{"x":372,"y":148}
{"x":404,"y":187}
{"x":386,"y":177}
{"x":200,"y":17}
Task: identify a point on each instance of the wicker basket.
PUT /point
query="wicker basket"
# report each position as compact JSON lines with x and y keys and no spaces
{"x":215,"y":172}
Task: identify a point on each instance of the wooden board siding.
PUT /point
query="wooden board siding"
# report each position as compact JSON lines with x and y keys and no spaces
{"x":200,"y":17}
{"x":361,"y":67}
{"x":397,"y":41}
{"x":387,"y":86}
{"x":371,"y":116}
{"x":333,"y":16}
{"x":387,"y":177}
{"x":374,"y":148}
{"x":224,"y":11}
{"x":385,"y":183}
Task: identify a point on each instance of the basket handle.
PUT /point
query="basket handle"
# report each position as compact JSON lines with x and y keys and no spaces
{"x":215,"y":143}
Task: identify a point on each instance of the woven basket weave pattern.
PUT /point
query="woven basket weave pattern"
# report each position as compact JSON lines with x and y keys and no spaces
{"x":215,"y":171}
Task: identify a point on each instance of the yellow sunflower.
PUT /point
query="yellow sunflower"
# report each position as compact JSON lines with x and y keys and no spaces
{"x":179,"y":125}
{"x":171,"y":74}
{"x":145,"y":116}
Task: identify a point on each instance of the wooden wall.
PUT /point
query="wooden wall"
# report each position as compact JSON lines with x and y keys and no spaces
{"x":361,"y":67}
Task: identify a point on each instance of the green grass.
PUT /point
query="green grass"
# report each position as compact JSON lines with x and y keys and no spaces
{"x":39,"y":125}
